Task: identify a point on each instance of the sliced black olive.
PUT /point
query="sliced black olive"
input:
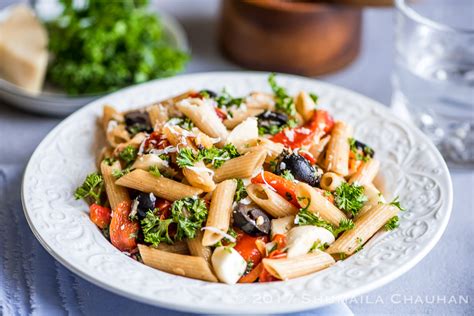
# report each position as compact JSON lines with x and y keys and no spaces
{"x":210,"y":93}
{"x":251,"y":219}
{"x":146,"y":202}
{"x":138,"y":121}
{"x":299,"y":167}
{"x":269,"y":118}
{"x":368,"y":151}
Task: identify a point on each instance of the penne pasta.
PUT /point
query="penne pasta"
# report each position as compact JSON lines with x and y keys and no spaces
{"x":365,"y":227}
{"x":330,"y":181}
{"x":197,"y":249}
{"x":160,"y":186}
{"x":318,"y":148}
{"x":219,"y":212}
{"x":366,"y":173}
{"x":305,"y":106}
{"x":318,"y":204}
{"x":273,"y":203}
{"x":374,"y":197}
{"x":202,"y":114}
{"x":290,"y":268}
{"x":260,"y":100}
{"x":272,"y":149}
{"x":241,"y":167}
{"x":200,"y":176}
{"x":187,"y":266}
{"x":158,"y":116}
{"x":110,"y":114}
{"x":115,"y":193}
{"x":135,"y":142}
{"x":240,"y":115}
{"x":337,"y":152}
{"x":244,"y":134}
{"x":179,"y":247}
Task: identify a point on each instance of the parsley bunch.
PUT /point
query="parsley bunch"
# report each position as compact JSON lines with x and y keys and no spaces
{"x":187,"y":215}
{"x":92,"y":188}
{"x":283,"y":101}
{"x":105,"y":45}
{"x":215,"y":156}
{"x":350,"y":198}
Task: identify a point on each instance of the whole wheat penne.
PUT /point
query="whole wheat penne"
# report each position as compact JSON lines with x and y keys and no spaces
{"x":200,"y":176}
{"x":172,"y":100}
{"x":135,"y":142}
{"x":202,"y":114}
{"x":110,"y":114}
{"x":318,"y":148}
{"x":365,"y":227}
{"x":260,"y":100}
{"x":318,"y":204}
{"x":187,"y":266}
{"x":179,"y":247}
{"x":337,"y":152}
{"x":290,"y":268}
{"x":158,"y":116}
{"x":116,"y":134}
{"x":273,"y":203}
{"x":244,"y":134}
{"x":272,"y":149}
{"x":145,"y":162}
{"x":160,"y":186}
{"x":305,"y":105}
{"x":240,"y":115}
{"x":241,"y":167}
{"x":330,"y":181}
{"x":374,"y":197}
{"x":366,"y":173}
{"x":197,"y":249}
{"x":220,"y":211}
{"x":115,"y":193}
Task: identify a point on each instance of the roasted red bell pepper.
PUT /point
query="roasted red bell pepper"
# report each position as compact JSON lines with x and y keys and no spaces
{"x":321,"y":123}
{"x":282,"y":186}
{"x":123,"y":232}
{"x":100,"y":215}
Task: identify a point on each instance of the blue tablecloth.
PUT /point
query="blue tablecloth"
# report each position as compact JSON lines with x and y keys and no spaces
{"x":32,"y":282}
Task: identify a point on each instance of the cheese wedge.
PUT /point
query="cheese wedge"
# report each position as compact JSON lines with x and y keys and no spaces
{"x":23,"y":49}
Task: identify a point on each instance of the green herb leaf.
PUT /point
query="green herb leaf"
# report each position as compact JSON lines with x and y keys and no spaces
{"x":225,"y":100}
{"x":155,"y":171}
{"x":117,"y":173}
{"x":188,"y":214}
{"x":396,"y":203}
{"x":186,"y":158}
{"x":350,"y":198}
{"x":128,"y":154}
{"x":156,"y":230}
{"x":344,"y":225}
{"x":283,"y":101}
{"x":392,"y":223}
{"x":92,"y":187}
{"x":287,"y":175}
{"x":240,"y":192}
{"x":314,"y":97}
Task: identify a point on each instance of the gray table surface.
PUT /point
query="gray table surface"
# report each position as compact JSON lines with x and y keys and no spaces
{"x":440,"y":283}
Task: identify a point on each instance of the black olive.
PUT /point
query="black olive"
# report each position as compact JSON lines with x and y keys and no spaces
{"x":299,"y":167}
{"x":269,"y":118}
{"x":210,"y":93}
{"x":146,"y":202}
{"x":368,"y":151}
{"x":251,"y":219}
{"x":138,"y":121}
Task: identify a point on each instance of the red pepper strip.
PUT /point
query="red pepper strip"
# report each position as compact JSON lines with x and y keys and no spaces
{"x":321,"y":122}
{"x":308,"y":156}
{"x":123,"y":232}
{"x":246,"y":246}
{"x":282,"y":186}
{"x":100,"y":215}
{"x":221,"y":114}
{"x":280,"y":240}
{"x":253,"y":275}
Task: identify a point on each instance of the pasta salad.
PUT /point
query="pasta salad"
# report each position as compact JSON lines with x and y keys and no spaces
{"x":254,"y":188}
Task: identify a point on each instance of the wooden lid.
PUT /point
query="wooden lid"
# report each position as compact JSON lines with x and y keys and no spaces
{"x":372,"y":3}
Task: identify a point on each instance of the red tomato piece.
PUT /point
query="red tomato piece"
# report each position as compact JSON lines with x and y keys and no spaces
{"x":253,"y":275}
{"x":265,"y":276}
{"x":221,"y":114}
{"x":123,"y":232}
{"x":282,"y":186}
{"x":156,"y":140}
{"x":308,"y":156}
{"x":100,"y":215}
{"x":164,"y":208}
{"x":280,"y":239}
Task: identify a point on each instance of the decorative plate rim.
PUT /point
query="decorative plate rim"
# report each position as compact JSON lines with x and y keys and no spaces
{"x":276,"y":290}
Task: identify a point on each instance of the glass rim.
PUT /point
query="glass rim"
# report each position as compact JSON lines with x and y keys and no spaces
{"x":412,"y":14}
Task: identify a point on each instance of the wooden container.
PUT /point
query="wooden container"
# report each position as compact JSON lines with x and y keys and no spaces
{"x":293,"y":37}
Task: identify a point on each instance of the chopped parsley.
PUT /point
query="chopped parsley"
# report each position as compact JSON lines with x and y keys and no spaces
{"x":360,"y":245}
{"x":183,"y":122}
{"x":305,"y":217}
{"x":350,"y":198}
{"x":187,"y":215}
{"x":240,"y":192}
{"x":92,"y":188}
{"x":109,"y":161}
{"x":396,"y":203}
{"x":117,"y":173}
{"x":392,"y":223}
{"x":128,"y":154}
{"x":275,"y":129}
{"x":225,"y":100}
{"x":155,"y":171}
{"x":287,"y":175}
{"x":227,"y":242}
{"x":215,"y":156}
{"x":283,"y":101}
{"x":314,"y":97}
{"x":250,"y":265}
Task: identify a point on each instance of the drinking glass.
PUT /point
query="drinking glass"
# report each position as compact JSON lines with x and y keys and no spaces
{"x":434,"y":72}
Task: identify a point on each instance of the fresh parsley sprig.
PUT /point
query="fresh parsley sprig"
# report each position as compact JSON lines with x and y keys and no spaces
{"x":128,"y":154}
{"x":215,"y":156}
{"x":396,"y":203}
{"x":283,"y":101}
{"x":240,"y":192}
{"x":92,"y":187}
{"x":305,"y":217}
{"x":350,"y":198}
{"x":392,"y":223}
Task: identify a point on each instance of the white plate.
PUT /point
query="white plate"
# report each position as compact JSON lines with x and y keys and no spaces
{"x":411,"y":168}
{"x":52,"y":102}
